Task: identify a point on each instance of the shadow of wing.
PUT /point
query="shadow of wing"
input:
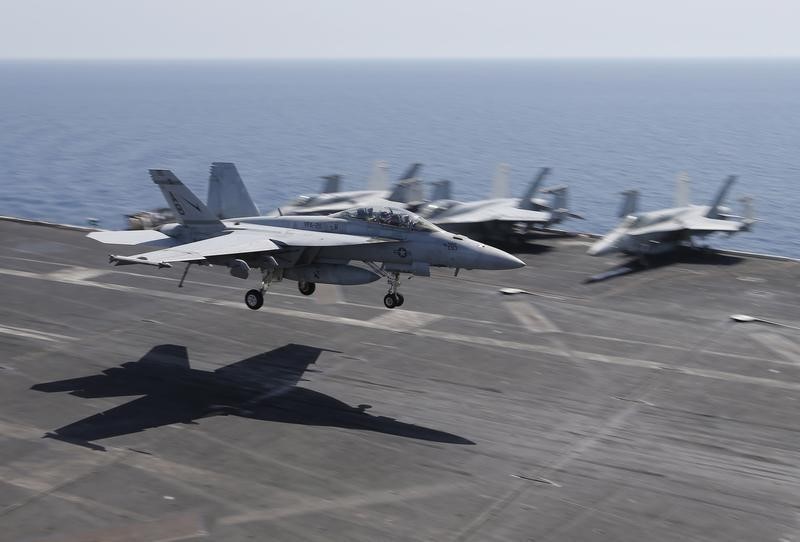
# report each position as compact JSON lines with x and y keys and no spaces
{"x":132,"y":417}
{"x":282,"y":367}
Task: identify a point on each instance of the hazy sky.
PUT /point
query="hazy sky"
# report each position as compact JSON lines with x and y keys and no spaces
{"x":397,"y":28}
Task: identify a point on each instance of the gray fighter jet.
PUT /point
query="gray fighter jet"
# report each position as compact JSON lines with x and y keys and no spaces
{"x":656,"y":232}
{"x":406,"y":191}
{"x":500,"y":219}
{"x":308,"y":249}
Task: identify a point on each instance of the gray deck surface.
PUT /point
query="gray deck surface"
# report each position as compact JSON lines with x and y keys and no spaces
{"x":626,"y":409}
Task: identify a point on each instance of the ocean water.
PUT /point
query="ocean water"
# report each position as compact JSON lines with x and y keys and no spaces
{"x":77,"y":138}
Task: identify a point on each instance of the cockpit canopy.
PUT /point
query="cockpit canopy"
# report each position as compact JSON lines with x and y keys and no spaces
{"x":388,"y":216}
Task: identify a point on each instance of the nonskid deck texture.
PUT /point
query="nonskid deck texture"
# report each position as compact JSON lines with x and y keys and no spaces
{"x":625,"y":409}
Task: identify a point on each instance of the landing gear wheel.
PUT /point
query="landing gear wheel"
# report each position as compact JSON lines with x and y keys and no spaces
{"x":390,"y":300}
{"x":306,"y":288}
{"x":400,"y":299}
{"x":254,"y":299}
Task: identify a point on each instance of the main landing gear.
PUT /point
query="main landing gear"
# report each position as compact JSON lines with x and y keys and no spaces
{"x":306,"y":288}
{"x":254,"y":299}
{"x":393,"y":299}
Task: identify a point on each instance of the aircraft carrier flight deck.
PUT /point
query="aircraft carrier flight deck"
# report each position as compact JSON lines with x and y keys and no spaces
{"x":625,"y":409}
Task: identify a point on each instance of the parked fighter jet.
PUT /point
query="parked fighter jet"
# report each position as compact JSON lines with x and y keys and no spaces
{"x":660,"y":231}
{"x":407,"y":190}
{"x":308,"y":249}
{"x":500,"y":219}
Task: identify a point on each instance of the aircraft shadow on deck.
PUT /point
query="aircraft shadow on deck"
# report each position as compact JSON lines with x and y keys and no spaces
{"x":263,"y":387}
{"x":683,"y":255}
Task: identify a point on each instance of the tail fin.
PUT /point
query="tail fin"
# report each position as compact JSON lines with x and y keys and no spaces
{"x":713,"y":210}
{"x":525,"y":201}
{"x":560,"y":206}
{"x":682,"y":189}
{"x":630,"y":203}
{"x":227,"y":194}
{"x":410,"y":172}
{"x":748,"y":212}
{"x":188,"y":208}
{"x":441,"y":190}
{"x":378,"y":180}
{"x":407,"y":191}
{"x":500,"y":181}
{"x":332,"y":184}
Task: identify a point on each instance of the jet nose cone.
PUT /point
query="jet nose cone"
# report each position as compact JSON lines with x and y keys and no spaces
{"x":603,"y":247}
{"x":495,"y":259}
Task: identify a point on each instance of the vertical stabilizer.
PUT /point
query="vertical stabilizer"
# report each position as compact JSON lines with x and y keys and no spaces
{"x":227,"y":194}
{"x":713,"y":209}
{"x":331,"y":183}
{"x":378,"y":179}
{"x":407,"y":191}
{"x":411,"y":172}
{"x":682,"y":189}
{"x":188,"y":208}
{"x":630,"y":203}
{"x":526,"y":201}
{"x":560,"y":208}
{"x":441,"y":190}
{"x":748,"y":212}
{"x":500,"y":181}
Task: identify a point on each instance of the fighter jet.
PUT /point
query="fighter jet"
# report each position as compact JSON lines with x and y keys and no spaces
{"x":406,"y":191}
{"x":656,"y":232}
{"x":500,"y":219}
{"x":308,"y":249}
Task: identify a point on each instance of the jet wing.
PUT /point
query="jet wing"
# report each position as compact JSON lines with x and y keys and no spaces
{"x":245,"y":242}
{"x":505,"y":214}
{"x":709,"y":225}
{"x":698,"y":225}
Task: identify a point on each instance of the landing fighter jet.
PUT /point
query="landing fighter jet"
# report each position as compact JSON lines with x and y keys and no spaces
{"x":500,"y":219}
{"x":407,"y":190}
{"x":308,"y":249}
{"x":656,"y":232}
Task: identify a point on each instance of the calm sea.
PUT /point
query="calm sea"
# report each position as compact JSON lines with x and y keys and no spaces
{"x":77,"y":138}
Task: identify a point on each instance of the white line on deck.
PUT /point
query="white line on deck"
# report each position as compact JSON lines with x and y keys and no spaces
{"x":34,"y":334}
{"x":438,"y":335}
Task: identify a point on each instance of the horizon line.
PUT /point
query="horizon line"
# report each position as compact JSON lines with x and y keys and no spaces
{"x":396,"y":58}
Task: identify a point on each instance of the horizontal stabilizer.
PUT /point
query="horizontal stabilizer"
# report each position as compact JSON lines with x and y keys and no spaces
{"x":133,"y":237}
